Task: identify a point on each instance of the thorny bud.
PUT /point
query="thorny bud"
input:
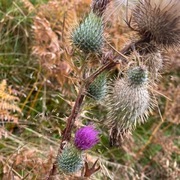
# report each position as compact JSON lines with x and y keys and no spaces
{"x":98,"y":88}
{"x":70,"y":160}
{"x":88,"y":36}
{"x":137,"y":76}
{"x":128,"y":102}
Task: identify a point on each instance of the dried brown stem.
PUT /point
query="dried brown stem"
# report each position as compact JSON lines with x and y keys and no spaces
{"x":92,"y":170}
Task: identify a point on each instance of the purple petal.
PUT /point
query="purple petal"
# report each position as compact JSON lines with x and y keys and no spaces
{"x":86,"y":137}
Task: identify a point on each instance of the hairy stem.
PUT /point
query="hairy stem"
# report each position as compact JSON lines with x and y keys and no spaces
{"x":66,"y":135}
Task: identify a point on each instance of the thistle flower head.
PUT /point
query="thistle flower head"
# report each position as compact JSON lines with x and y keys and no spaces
{"x":70,"y":160}
{"x":86,"y":137}
{"x":158,"y":21}
{"x":88,"y":36}
{"x":128,"y":102}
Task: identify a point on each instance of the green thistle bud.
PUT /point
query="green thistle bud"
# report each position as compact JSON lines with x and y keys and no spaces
{"x":88,"y":36}
{"x":137,"y":76}
{"x":128,"y":102}
{"x":98,"y":88}
{"x":70,"y":160}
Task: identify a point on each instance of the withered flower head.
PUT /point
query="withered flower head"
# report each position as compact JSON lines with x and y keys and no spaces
{"x":158,"y":21}
{"x":99,"y":6}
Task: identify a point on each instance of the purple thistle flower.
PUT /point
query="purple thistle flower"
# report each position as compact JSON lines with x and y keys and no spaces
{"x":86,"y":137}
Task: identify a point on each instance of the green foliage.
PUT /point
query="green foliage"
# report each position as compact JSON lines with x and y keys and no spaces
{"x":15,"y":28}
{"x":38,"y":2}
{"x":5,"y":4}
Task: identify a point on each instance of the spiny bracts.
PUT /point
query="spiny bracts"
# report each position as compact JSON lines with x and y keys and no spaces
{"x":158,"y":21}
{"x":154,"y":64}
{"x":88,"y":36}
{"x":137,"y":76}
{"x":149,"y":55}
{"x":128,"y":102}
{"x":98,"y":88}
{"x":70,"y":160}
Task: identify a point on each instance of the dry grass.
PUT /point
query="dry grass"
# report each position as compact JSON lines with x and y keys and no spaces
{"x":36,"y":60}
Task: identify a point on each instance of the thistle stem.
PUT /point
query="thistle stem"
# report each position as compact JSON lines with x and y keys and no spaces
{"x":66,"y":135}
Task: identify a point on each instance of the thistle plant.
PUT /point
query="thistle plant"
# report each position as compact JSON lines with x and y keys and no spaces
{"x":88,"y":36}
{"x":157,"y":24}
{"x":71,"y":158}
{"x":128,"y":103}
{"x":51,"y":73}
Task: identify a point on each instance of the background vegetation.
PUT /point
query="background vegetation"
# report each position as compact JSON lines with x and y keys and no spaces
{"x":39,"y":84}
